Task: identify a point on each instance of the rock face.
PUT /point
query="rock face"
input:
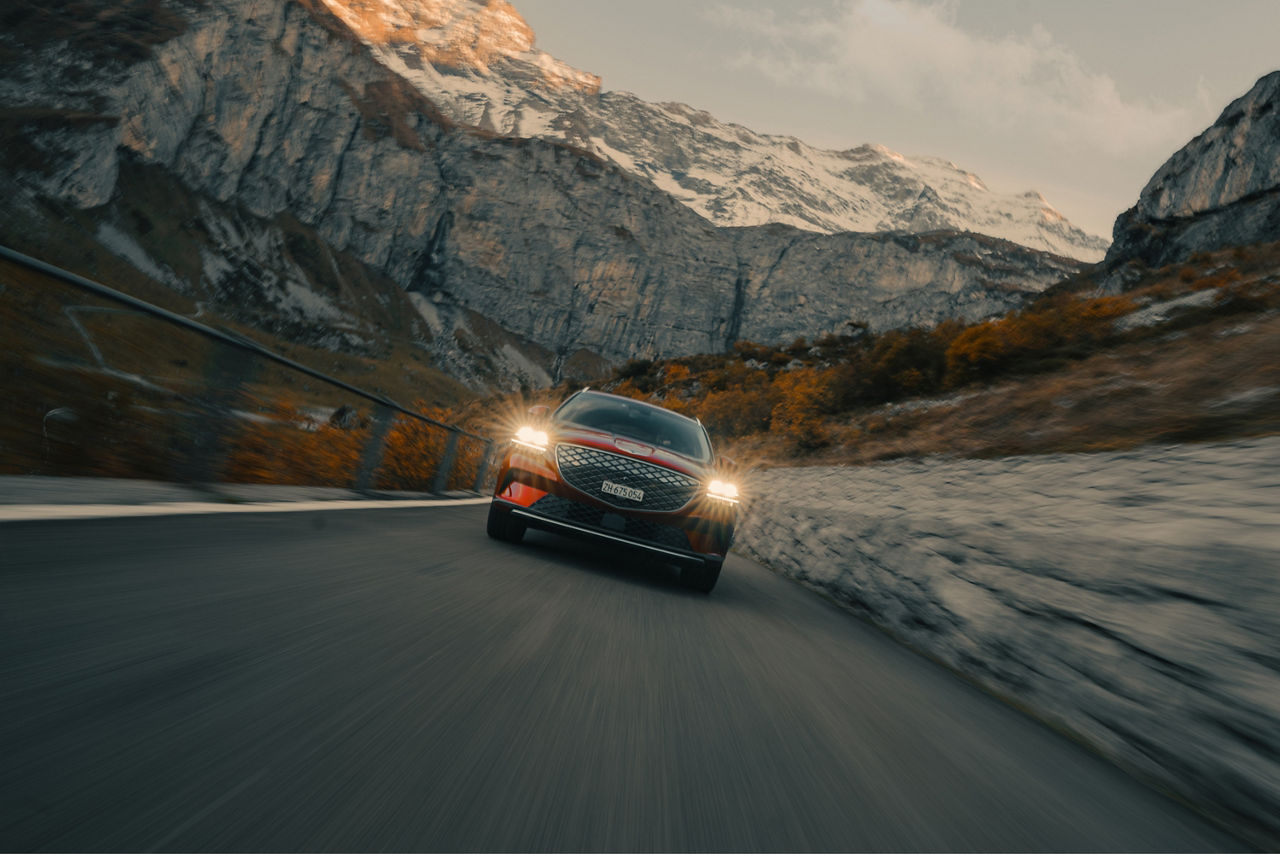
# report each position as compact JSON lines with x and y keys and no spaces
{"x":524,"y":260}
{"x":1221,"y":189}
{"x":728,"y":173}
{"x":1128,"y":597}
{"x":460,"y":37}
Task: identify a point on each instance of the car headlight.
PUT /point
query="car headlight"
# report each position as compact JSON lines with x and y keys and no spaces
{"x":529,"y":437}
{"x":723,"y":490}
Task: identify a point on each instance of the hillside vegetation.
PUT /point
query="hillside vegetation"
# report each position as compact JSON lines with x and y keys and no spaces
{"x":99,"y":389}
{"x":1185,"y":353}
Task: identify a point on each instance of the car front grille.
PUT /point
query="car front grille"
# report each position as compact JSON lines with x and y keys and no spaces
{"x":565,"y":510}
{"x":587,"y":469}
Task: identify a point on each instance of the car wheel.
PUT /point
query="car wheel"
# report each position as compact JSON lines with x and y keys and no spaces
{"x":503,"y":526}
{"x":701,"y":578}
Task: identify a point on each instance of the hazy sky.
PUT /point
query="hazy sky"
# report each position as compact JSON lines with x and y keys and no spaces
{"x":1079,"y":99}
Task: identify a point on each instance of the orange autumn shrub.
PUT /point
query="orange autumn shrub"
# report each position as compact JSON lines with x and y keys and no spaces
{"x":803,"y":396}
{"x":466,"y":466}
{"x":676,"y":373}
{"x":738,"y":411}
{"x":1018,"y":339}
{"x":287,"y":446}
{"x":412,"y":452}
{"x":415,"y":449}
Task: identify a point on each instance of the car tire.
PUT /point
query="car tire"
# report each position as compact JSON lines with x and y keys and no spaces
{"x":503,"y":526}
{"x":701,"y":578}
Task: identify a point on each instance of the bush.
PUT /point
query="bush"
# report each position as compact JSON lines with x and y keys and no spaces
{"x":738,"y":411}
{"x":290,"y":447}
{"x":893,"y":365}
{"x":634,"y":368}
{"x":748,"y":350}
{"x":413,"y":451}
{"x":1020,"y":340}
{"x":803,"y":396}
{"x":676,"y":373}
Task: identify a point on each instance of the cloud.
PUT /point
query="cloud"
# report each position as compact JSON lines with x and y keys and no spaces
{"x":912,"y":56}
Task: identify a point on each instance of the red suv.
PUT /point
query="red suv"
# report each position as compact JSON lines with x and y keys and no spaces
{"x":624,"y":472}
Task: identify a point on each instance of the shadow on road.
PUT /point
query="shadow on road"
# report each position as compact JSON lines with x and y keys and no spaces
{"x":624,"y":566}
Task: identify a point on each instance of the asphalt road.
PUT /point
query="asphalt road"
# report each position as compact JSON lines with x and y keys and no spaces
{"x":394,"y":680}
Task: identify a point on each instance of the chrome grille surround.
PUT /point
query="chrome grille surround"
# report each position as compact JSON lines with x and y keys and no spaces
{"x":585,"y":469}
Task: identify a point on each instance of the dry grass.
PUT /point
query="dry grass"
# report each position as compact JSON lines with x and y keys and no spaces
{"x":1219,"y":381}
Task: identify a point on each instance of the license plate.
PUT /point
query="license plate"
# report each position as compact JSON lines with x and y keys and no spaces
{"x":628,"y":492}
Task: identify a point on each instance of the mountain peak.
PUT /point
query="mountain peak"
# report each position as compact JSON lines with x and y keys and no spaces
{"x":476,"y":62}
{"x":467,"y":35}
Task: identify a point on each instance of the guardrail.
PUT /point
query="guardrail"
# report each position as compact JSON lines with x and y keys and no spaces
{"x":227,"y":371}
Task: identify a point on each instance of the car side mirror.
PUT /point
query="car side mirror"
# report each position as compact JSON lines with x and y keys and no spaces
{"x":539,"y":414}
{"x":726,"y":465}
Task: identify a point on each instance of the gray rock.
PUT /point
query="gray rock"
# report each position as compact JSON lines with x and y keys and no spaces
{"x":1222,"y":189}
{"x":516,"y":259}
{"x":1236,"y":157}
{"x":1130,"y":598}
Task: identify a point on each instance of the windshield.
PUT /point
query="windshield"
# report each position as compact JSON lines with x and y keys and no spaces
{"x":639,"y":421}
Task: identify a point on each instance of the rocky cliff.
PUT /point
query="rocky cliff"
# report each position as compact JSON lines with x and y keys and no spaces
{"x":1221,"y":189}
{"x":279,"y":156}
{"x":728,"y":173}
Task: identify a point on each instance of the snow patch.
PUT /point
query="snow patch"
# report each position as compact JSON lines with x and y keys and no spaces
{"x":731,"y":175}
{"x":216,"y":267}
{"x":306,"y":304}
{"x":428,"y":310}
{"x":525,"y":366}
{"x":124,"y":246}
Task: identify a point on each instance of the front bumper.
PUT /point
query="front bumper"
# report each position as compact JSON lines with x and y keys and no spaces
{"x":613,"y":536}
{"x":529,"y":487}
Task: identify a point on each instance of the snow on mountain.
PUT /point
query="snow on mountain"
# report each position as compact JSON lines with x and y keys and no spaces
{"x":307,"y":192}
{"x":465,"y":36}
{"x":477,"y":62}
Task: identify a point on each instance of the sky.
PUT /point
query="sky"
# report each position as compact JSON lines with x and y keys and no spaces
{"x":1081,"y":100}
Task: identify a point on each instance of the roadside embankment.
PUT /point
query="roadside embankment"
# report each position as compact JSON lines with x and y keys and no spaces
{"x":1132,"y":599}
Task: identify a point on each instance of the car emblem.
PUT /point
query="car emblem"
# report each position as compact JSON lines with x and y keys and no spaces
{"x":632,"y":447}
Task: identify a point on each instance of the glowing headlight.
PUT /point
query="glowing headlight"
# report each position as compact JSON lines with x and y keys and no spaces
{"x":723,"y":490}
{"x":531,"y":438}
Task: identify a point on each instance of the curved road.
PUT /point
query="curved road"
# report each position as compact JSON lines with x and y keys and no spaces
{"x":391,"y":679}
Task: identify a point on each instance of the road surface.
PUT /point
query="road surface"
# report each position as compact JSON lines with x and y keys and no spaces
{"x":356,"y":680}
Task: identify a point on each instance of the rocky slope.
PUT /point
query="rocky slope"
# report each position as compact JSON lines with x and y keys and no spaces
{"x":1221,"y":189}
{"x":1009,"y":571}
{"x":257,"y":155}
{"x":496,"y":80}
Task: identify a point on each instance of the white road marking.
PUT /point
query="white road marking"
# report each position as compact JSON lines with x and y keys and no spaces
{"x":28,"y":512}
